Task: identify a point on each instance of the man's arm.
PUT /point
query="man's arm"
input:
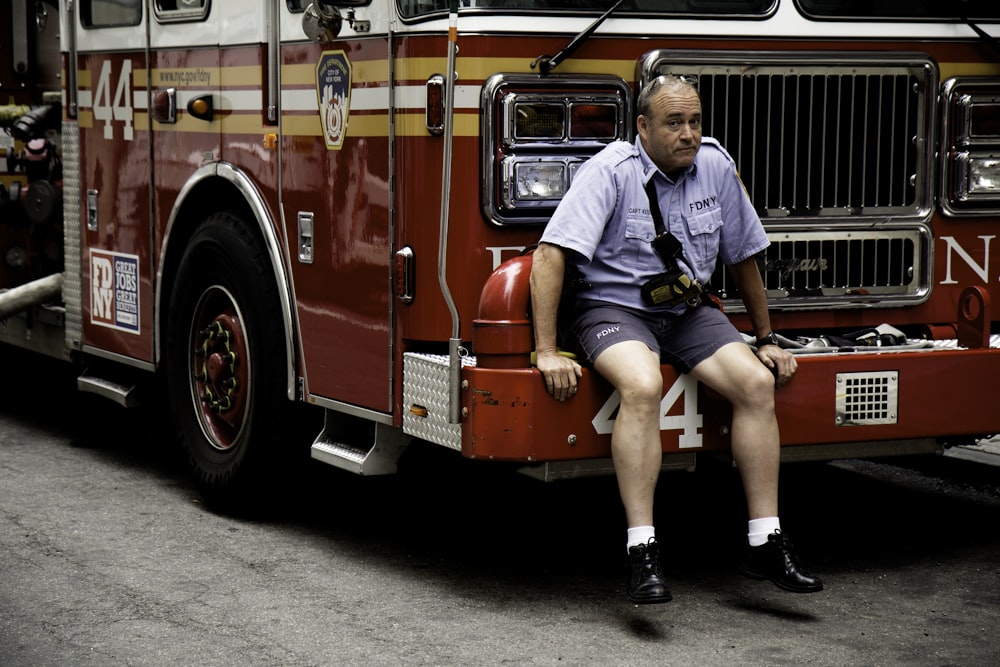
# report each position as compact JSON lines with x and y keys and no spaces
{"x":747,"y":278}
{"x":548,"y":266}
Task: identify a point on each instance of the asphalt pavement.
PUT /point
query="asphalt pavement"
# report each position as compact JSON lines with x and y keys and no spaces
{"x":108,"y":556}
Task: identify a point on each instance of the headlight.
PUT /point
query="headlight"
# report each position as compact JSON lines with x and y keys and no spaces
{"x":970,"y":166}
{"x":533,"y":121}
{"x":978,"y":118}
{"x":540,"y":180}
{"x":977,"y":178}
{"x":593,"y":121}
{"x":537,"y":131}
{"x":536,"y":182}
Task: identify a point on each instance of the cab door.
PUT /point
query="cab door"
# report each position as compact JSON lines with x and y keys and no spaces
{"x":117,"y":266}
{"x":335,"y":196}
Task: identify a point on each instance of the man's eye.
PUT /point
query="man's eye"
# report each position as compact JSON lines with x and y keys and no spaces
{"x":673,"y":124}
{"x":696,"y":122}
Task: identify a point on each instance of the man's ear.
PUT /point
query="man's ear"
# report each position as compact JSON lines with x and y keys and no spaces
{"x":640,"y":124}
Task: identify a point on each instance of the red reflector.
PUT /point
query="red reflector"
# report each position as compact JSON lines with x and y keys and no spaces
{"x":434,"y":112}
{"x":164,"y":108}
{"x":403,"y":274}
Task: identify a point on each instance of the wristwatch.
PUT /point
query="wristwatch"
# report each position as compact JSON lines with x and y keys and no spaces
{"x":769,"y":339}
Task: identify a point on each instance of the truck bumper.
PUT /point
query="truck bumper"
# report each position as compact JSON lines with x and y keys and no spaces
{"x":941,"y":394}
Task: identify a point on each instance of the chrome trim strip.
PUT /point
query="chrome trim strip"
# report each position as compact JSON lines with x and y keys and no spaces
{"x":119,"y":358}
{"x":347,"y":408}
{"x":256,"y":202}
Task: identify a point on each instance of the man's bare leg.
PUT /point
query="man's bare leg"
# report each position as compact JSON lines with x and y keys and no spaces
{"x":735,"y":372}
{"x":634,"y":370}
{"x":738,"y":375}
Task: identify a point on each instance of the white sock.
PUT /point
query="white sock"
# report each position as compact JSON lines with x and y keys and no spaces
{"x":639,"y":535}
{"x":759,"y":529}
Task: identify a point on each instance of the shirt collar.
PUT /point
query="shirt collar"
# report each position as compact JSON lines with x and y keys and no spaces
{"x":649,"y":169}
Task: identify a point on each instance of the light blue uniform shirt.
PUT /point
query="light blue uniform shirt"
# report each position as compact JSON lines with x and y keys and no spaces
{"x":604,"y":219}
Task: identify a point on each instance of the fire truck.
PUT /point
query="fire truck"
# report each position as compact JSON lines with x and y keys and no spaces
{"x":281,"y":213}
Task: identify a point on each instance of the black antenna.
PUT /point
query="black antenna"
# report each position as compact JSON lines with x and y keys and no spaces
{"x":546,"y":64}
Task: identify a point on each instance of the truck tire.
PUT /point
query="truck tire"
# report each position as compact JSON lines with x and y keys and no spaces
{"x":225,"y":365}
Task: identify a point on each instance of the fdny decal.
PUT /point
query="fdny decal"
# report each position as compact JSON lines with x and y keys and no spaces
{"x":114,"y":294}
{"x":333,"y":91}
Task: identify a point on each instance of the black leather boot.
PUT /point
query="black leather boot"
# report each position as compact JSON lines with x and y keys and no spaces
{"x":645,"y":581}
{"x":777,"y":562}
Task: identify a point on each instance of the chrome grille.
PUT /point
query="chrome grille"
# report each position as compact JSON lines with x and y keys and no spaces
{"x":842,"y":266}
{"x":821,"y":134}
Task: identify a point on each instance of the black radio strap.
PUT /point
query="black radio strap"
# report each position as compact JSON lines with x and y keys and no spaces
{"x":670,"y":250}
{"x":668,"y":242}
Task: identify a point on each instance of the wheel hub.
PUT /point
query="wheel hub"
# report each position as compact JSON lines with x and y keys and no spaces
{"x":221,"y":377}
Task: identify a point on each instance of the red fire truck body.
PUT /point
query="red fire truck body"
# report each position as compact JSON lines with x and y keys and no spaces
{"x":247,"y":199}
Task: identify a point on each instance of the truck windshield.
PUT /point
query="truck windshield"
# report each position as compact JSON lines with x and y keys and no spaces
{"x":748,"y":8}
{"x":975,"y":10}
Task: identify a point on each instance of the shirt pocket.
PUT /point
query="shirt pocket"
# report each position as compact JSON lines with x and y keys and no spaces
{"x":637,"y":253}
{"x":706,"y":231}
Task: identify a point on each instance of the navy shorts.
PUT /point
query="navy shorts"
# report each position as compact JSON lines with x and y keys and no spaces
{"x":683,"y":340}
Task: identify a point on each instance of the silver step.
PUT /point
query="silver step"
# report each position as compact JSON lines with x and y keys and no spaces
{"x":126,"y":395}
{"x":984,"y":451}
{"x":354,"y":445}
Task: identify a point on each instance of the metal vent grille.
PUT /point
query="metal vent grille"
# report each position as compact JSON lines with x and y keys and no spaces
{"x":812,"y":138}
{"x":867,"y":398}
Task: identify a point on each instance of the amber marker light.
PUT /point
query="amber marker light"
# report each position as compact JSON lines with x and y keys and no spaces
{"x":201,"y":107}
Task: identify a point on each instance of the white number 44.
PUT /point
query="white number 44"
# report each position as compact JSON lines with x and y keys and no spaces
{"x":120,"y":109}
{"x":688,"y":422}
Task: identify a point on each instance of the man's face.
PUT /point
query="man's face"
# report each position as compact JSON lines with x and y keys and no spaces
{"x":671,"y":133}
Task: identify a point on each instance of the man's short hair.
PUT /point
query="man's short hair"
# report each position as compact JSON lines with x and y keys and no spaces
{"x":676,"y":84}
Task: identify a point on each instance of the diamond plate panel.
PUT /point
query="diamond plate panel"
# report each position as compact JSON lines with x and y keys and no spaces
{"x":72,"y":251}
{"x":425,"y":399}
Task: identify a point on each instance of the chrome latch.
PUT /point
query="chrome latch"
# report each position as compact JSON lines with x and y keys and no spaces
{"x":305,"y":237}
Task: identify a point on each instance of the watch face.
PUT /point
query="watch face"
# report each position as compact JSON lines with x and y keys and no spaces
{"x":769,"y":339}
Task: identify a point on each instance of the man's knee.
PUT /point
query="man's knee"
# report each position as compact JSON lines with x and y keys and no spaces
{"x":642,"y":389}
{"x":762,"y":380}
{"x":757,"y":387}
{"x":634,"y":370}
{"x":640,"y":385}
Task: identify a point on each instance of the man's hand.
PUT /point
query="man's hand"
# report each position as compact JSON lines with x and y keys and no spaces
{"x":560,"y":373}
{"x":781,"y":362}
{"x":548,"y":266}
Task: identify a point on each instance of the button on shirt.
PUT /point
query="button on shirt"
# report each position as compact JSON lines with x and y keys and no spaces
{"x":605,"y":220}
